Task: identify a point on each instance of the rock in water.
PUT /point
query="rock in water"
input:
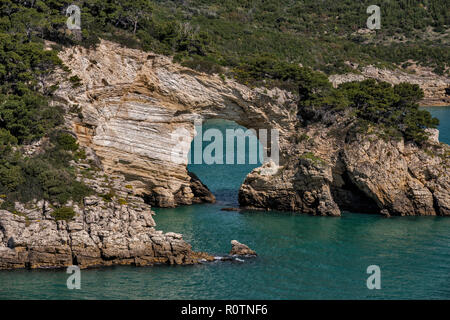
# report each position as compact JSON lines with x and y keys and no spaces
{"x":230,"y":209}
{"x":240,"y":249}
{"x":200,"y":191}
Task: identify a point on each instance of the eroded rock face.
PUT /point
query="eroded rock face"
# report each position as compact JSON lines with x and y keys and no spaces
{"x":112,"y":227}
{"x":135,"y":103}
{"x":239,"y":249}
{"x":334,"y":169}
{"x":102,"y":233}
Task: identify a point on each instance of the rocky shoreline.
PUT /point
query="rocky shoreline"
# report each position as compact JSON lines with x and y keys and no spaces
{"x":131,"y":103}
{"x":112,"y":227}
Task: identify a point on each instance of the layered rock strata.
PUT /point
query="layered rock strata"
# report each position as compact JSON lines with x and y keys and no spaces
{"x":331,"y":168}
{"x":138,"y":111}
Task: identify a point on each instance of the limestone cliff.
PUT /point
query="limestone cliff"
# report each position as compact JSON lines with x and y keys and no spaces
{"x":127,"y":114}
{"x":115,"y":228}
{"x":133,"y":103}
{"x":331,"y":167}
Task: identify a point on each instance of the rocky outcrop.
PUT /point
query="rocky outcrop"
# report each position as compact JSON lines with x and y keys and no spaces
{"x":101,"y":234}
{"x":111,"y":227}
{"x":436,"y":88}
{"x":302,"y":185}
{"x":331,"y":167}
{"x":239,"y":249}
{"x":200,"y":191}
{"x":138,"y":111}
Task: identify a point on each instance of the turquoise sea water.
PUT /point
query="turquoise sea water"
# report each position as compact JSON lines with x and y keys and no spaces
{"x":443,"y":114}
{"x":300,"y":257}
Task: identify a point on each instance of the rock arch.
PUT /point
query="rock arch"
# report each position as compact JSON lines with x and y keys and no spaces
{"x":132,"y":101}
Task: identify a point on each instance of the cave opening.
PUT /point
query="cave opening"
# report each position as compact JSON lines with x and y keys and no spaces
{"x":350,"y":198}
{"x":222,"y":155}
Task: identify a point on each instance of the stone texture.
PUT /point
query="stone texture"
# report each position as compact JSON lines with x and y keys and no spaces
{"x":240,"y":249}
{"x":336,"y":169}
{"x":138,"y":119}
{"x":139,"y":110}
{"x":105,"y":231}
{"x":101,"y":234}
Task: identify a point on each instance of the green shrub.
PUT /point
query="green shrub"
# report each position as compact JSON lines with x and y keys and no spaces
{"x":66,"y":141}
{"x":312,"y":157}
{"x":76,"y":81}
{"x":108,"y":196}
{"x":394,"y":110}
{"x":63,"y":213}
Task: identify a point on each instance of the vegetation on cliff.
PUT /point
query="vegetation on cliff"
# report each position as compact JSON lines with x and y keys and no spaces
{"x":26,"y":116}
{"x":392,"y":110}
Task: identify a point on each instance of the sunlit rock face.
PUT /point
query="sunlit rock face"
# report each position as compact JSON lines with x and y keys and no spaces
{"x":139,"y":111}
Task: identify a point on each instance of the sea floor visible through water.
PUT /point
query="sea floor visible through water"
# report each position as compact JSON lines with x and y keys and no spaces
{"x":299,"y":256}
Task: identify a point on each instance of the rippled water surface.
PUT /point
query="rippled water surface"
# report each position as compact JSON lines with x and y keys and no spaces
{"x":300,"y":257}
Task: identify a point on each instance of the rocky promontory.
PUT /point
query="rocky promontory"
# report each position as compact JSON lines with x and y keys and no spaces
{"x":113,"y":228}
{"x":137,"y":112}
{"x":330,"y":168}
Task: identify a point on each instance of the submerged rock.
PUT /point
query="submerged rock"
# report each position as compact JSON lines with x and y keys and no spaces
{"x":240,"y":249}
{"x":230,"y":209}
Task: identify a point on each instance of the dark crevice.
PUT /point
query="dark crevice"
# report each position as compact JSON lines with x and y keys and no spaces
{"x":350,"y":198}
{"x":436,"y":205}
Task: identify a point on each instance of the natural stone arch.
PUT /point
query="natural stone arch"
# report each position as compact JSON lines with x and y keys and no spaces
{"x":132,"y":101}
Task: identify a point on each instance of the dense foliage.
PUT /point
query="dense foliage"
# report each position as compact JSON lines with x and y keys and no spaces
{"x":26,"y":116}
{"x":213,"y":34}
{"x":45,"y":176}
